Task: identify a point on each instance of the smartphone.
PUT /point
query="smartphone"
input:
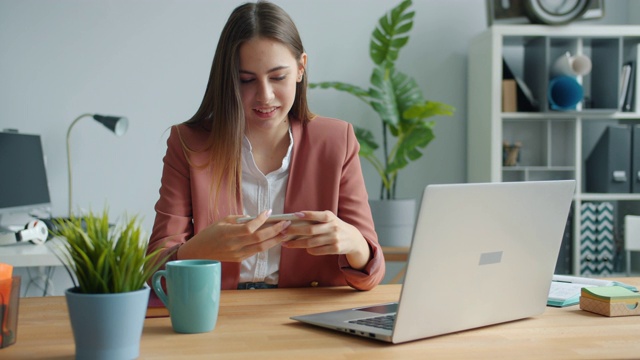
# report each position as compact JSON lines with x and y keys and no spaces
{"x":270,"y":219}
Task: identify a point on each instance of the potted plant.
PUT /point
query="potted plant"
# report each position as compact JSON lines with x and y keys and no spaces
{"x":107,"y":305}
{"x":405,"y":115}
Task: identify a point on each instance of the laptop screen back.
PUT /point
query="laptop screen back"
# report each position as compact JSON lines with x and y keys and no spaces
{"x":481,"y":254}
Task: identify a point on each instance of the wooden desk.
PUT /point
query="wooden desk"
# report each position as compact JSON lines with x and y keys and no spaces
{"x":255,"y":324}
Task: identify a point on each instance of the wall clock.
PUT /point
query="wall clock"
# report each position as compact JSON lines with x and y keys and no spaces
{"x":555,"y":12}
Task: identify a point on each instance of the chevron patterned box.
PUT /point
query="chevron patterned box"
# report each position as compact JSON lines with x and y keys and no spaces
{"x":597,"y":246}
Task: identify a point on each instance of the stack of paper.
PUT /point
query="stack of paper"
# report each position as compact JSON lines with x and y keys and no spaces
{"x":565,"y":290}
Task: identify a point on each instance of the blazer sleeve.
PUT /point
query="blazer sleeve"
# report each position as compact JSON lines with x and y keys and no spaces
{"x":173,"y":224}
{"x":353,"y":208}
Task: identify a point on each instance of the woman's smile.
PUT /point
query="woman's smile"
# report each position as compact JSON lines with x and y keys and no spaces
{"x":265,"y":113}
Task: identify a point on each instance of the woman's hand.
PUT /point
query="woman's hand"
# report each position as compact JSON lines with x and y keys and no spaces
{"x":226,"y":240}
{"x":326,"y":234}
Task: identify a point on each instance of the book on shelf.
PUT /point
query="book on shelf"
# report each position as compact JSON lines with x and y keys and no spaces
{"x":628,"y":87}
{"x":625,"y":78}
{"x":509,"y":95}
{"x":565,"y":289}
{"x":525,"y":99}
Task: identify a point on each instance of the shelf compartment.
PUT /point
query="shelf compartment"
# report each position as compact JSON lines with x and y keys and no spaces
{"x":601,"y":86}
{"x":544,"y":142}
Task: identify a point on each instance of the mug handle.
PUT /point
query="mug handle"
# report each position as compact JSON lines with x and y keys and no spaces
{"x":156,"y":281}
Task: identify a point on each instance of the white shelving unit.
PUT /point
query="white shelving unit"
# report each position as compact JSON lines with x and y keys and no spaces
{"x":555,"y":144}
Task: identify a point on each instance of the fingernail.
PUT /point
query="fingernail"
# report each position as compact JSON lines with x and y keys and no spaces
{"x":299,"y":214}
{"x":269,"y":212}
{"x":286,"y":224}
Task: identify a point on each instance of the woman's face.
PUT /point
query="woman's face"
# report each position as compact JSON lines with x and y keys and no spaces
{"x":268,"y":76}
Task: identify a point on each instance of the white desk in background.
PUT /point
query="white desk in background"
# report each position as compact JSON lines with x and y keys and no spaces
{"x":31,"y":256}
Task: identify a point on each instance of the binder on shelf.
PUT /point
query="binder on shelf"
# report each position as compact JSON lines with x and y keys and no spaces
{"x":635,"y":159}
{"x":609,"y":164}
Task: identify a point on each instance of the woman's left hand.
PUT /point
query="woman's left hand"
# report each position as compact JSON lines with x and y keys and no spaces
{"x":323,"y":233}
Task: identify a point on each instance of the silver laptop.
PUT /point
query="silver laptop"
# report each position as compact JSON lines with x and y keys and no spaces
{"x":481,"y":254}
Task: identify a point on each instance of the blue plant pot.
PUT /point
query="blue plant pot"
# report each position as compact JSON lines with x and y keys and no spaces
{"x":107,"y":326}
{"x":394,"y":221}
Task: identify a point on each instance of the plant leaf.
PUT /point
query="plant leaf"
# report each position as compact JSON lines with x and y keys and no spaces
{"x":366,"y":140}
{"x":383,"y":50}
{"x":393,"y":93}
{"x":407,"y":147}
{"x":382,"y":96}
{"x":341,"y":86}
{"x":428,"y":109}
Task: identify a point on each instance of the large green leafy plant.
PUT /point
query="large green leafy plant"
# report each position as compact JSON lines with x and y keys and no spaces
{"x":398,"y":100}
{"x":104,"y":258}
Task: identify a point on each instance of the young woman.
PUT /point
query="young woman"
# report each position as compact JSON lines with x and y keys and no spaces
{"x":253,"y":147}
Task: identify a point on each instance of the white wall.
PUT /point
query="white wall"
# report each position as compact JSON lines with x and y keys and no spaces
{"x":150,"y":60}
{"x":634,"y":12}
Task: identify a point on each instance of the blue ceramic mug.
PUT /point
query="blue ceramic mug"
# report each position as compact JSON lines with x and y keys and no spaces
{"x":193,"y":294}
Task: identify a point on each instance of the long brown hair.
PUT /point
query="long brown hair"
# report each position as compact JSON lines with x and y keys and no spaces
{"x":221,"y":109}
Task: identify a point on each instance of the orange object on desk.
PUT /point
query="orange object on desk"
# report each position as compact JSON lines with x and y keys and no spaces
{"x":9,"y":297}
{"x":6,"y":271}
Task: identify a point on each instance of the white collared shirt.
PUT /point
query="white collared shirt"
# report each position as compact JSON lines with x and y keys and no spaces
{"x":262,"y":192}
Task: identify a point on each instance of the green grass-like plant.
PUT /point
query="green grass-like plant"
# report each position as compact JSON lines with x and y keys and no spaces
{"x":396,"y":98}
{"x":106,"y":259}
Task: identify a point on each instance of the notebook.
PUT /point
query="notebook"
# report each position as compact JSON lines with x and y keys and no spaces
{"x":481,"y":254}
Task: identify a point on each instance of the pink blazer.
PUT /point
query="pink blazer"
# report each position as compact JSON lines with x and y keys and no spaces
{"x":325,"y":174}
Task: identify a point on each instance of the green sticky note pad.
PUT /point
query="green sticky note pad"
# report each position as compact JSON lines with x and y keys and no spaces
{"x":611,"y":293}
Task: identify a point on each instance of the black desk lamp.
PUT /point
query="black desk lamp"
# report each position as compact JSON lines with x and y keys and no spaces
{"x":117,"y":124}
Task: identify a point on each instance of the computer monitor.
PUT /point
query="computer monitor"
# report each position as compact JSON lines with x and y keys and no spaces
{"x":23,"y":183}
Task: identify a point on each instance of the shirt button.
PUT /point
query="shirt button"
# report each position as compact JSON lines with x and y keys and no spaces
{"x":314,"y":283}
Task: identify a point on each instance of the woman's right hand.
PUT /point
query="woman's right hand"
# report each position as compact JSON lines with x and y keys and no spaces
{"x":227,"y":240}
